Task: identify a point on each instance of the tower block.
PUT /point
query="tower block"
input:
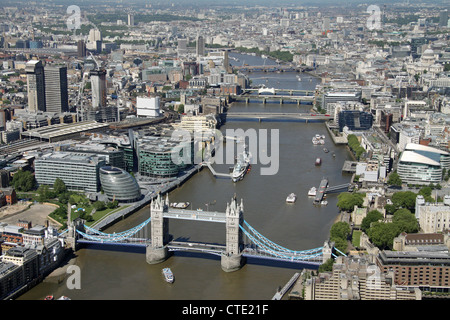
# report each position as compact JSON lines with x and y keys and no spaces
{"x":232,"y":258}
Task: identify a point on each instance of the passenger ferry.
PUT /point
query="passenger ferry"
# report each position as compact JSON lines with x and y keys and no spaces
{"x":180,"y":205}
{"x":168,"y":275}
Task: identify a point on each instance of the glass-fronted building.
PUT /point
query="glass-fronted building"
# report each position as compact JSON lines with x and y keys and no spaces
{"x":421,"y":164}
{"x":119,"y":185}
{"x":355,"y":120}
{"x":163,"y":157}
{"x":441,"y":156}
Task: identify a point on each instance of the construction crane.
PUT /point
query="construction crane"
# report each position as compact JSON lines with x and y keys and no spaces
{"x":96,"y":62}
{"x":79,"y":98}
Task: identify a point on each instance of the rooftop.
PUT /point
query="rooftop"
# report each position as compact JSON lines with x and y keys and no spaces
{"x":420,"y":147}
{"x":411,"y":156}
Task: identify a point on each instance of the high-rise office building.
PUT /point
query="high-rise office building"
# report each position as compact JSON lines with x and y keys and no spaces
{"x":182,"y":46}
{"x":56,"y":94}
{"x":98,"y":87}
{"x":94,"y":35}
{"x":200,"y":46}
{"x":35,"y":85}
{"x":130,"y":20}
{"x":81,"y":49}
{"x":100,"y":111}
{"x":443,"y":18}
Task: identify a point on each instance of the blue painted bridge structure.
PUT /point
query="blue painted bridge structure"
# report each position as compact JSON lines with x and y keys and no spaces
{"x":242,"y":240}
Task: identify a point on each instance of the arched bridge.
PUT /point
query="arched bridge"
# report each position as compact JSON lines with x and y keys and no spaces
{"x":232,"y":253}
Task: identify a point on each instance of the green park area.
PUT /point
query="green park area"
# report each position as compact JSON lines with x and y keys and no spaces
{"x":80,"y":205}
{"x":381,"y":232}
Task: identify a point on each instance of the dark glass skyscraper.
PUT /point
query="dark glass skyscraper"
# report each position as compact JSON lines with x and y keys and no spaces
{"x":35,"y":85}
{"x":355,"y":120}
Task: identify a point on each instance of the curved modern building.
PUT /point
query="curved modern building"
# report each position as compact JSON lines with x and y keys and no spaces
{"x":163,"y":158}
{"x":119,"y":185}
{"x":441,"y":156}
{"x":421,"y":164}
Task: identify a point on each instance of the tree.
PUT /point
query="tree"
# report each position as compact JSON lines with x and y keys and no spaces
{"x":340,"y":230}
{"x":347,"y":201}
{"x":405,"y":221}
{"x":44,"y":193}
{"x":340,"y":244}
{"x":59,"y":186}
{"x":382,"y":234}
{"x":78,"y":199}
{"x":327,"y":266}
{"x":99,"y":205}
{"x":404,"y":199}
{"x":112,"y":204}
{"x":372,"y":216}
{"x":390,"y":208}
{"x":394,"y":180}
{"x":64,"y":197}
{"x":23,"y":181}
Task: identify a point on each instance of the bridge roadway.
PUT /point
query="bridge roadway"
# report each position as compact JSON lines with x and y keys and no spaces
{"x":198,"y":215}
{"x":287,"y":115}
{"x":274,"y":97}
{"x":275,"y":90}
{"x":268,"y":68}
{"x":249,"y":251}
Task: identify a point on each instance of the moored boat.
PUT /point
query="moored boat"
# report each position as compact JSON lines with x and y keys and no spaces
{"x":318,"y":161}
{"x":312,"y":192}
{"x":241,"y":166}
{"x":168,"y":275}
{"x":291,"y":198}
{"x":180,"y":205}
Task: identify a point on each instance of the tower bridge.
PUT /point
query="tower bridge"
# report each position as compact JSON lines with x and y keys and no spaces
{"x":242,"y":240}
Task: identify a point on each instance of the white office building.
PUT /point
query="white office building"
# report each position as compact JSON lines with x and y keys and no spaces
{"x":148,"y":107}
{"x":79,"y":171}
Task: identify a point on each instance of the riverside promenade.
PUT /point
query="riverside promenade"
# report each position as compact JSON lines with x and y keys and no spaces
{"x":336,"y":140}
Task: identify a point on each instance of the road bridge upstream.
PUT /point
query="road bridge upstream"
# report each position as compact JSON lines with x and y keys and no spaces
{"x":306,"y":117}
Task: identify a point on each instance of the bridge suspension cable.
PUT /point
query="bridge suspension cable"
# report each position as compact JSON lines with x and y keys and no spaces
{"x":97,"y":235}
{"x":283,"y":255}
{"x":277,"y":246}
{"x":271,"y":248}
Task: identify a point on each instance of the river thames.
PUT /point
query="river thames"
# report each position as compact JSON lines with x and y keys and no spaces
{"x":111,"y":275}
